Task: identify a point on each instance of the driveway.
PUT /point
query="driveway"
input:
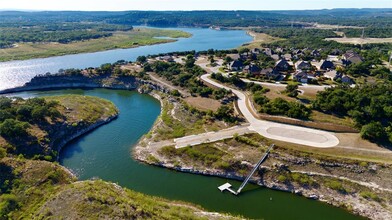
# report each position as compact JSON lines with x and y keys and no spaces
{"x":277,"y":131}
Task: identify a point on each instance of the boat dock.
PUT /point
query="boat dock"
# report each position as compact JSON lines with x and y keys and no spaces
{"x":227,"y":186}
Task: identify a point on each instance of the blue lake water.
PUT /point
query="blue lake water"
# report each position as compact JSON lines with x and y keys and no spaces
{"x":106,"y":152}
{"x":16,"y":73}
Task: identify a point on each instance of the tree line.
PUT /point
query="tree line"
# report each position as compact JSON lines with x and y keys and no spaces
{"x":370,"y":106}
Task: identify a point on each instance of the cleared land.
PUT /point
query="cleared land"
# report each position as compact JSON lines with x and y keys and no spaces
{"x":203,"y":104}
{"x":128,"y":39}
{"x":259,"y":38}
{"x":361,"y":40}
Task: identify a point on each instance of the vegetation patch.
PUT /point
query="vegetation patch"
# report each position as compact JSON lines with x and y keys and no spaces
{"x":31,"y":127}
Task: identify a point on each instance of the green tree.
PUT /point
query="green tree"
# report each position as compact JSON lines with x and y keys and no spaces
{"x":373,"y":131}
{"x":190,"y":61}
{"x":5,"y":103}
{"x":13,"y":128}
{"x":211,"y":59}
{"x":225,"y":112}
{"x":141,"y":59}
{"x":292,"y":90}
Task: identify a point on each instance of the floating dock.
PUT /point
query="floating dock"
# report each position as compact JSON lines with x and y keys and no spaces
{"x":227,"y":186}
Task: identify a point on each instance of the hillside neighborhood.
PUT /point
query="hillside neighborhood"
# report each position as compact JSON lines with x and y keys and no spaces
{"x":301,"y":65}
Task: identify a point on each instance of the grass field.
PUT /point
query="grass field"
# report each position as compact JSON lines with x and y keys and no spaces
{"x":129,"y":39}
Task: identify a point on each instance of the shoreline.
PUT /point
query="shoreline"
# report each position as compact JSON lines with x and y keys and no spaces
{"x":142,"y":154}
{"x":86,"y":51}
{"x":361,"y":211}
{"x":82,"y":132}
{"x":136,"y":154}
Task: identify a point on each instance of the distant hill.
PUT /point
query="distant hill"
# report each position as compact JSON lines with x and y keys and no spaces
{"x":363,"y":17}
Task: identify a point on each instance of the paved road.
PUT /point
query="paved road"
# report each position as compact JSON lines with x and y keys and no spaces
{"x":317,"y":87}
{"x":209,"y":137}
{"x":277,"y":131}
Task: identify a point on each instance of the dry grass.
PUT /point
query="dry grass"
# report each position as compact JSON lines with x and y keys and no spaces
{"x":258,"y":39}
{"x":334,"y":120}
{"x":360,"y":40}
{"x":203,"y":104}
{"x":351,"y":146}
{"x":277,"y":92}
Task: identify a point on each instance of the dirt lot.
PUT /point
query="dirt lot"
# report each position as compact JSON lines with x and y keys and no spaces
{"x":203,"y":103}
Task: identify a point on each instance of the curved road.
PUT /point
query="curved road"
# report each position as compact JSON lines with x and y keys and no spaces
{"x":277,"y":131}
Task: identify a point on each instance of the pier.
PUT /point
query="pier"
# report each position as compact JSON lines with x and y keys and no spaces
{"x":227,"y":186}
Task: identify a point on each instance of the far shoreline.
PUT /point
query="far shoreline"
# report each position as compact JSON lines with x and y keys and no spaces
{"x":92,"y":46}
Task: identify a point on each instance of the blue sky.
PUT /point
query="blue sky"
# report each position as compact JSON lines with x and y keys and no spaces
{"x":123,"y":5}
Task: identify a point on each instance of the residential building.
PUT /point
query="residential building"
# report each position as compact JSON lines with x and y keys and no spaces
{"x":236,"y":65}
{"x":302,"y":65}
{"x":324,"y":65}
{"x":282,"y":65}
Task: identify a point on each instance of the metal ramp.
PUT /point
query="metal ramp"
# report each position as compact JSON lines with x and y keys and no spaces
{"x":227,"y":186}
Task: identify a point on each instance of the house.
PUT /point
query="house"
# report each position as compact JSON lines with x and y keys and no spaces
{"x":301,"y":76}
{"x":336,"y":52}
{"x":333,"y":75}
{"x":333,"y":58}
{"x":302,"y":65}
{"x":324,"y":65}
{"x":166,"y":58}
{"x":234,"y":56}
{"x":279,"y":50}
{"x":252,"y":69}
{"x":297,"y":51}
{"x":288,"y":56}
{"x":346,"y":79}
{"x":248,"y":56}
{"x":282,"y":65}
{"x":269,"y":73}
{"x":275,"y":57}
{"x":351,"y":57}
{"x":315,"y":53}
{"x":255,"y":51}
{"x":236,"y":65}
{"x":268,"y":51}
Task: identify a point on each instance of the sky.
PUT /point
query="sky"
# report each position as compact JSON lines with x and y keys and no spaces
{"x":125,"y":5}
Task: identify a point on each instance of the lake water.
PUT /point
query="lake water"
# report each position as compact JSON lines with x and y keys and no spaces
{"x":105,"y":152}
{"x":16,"y":73}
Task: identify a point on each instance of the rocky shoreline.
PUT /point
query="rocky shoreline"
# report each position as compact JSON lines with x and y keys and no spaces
{"x":140,"y":153}
{"x":79,"y":132}
{"x":62,"y":81}
{"x":351,"y":202}
{"x":347,"y":202}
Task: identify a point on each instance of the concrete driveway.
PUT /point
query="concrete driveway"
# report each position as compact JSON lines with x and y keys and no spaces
{"x":277,"y":131}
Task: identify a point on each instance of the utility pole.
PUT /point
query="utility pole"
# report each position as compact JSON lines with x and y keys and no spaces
{"x":363,"y":33}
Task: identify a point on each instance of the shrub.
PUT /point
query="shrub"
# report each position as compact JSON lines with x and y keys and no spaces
{"x":336,"y":185}
{"x":370,"y":196}
{"x":8,"y":204}
{"x":373,"y":131}
{"x":13,"y":128}
{"x":282,"y":178}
